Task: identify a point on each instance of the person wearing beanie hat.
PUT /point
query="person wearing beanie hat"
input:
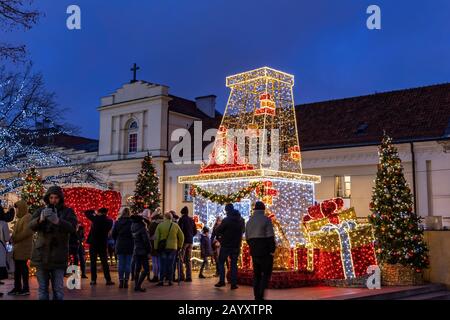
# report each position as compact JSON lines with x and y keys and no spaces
{"x":22,"y":238}
{"x":53,"y":225}
{"x":156,"y":214}
{"x":205,"y":250}
{"x":146,"y":214}
{"x":189,"y":229}
{"x":230,"y":233}
{"x":261,"y":240}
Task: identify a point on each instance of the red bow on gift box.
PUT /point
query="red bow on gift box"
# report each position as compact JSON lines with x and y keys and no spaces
{"x":326,"y":209}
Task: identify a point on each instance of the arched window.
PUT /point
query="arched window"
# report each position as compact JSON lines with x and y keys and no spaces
{"x":132,"y":136}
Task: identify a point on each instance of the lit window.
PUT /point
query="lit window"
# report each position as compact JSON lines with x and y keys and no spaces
{"x":187,"y":193}
{"x":132,"y":136}
{"x":132,"y":142}
{"x":343,"y":186}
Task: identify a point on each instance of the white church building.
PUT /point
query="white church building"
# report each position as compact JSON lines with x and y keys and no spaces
{"x":339,"y":142}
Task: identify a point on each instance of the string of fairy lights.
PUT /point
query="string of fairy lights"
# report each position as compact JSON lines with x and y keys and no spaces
{"x":323,"y":239}
{"x":79,"y":176}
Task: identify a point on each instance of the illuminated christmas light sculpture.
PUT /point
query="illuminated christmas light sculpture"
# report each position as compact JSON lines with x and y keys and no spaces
{"x":256,"y":156}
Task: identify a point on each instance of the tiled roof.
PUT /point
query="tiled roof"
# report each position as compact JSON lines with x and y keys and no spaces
{"x":411,"y":114}
{"x":71,"y":142}
{"x":185,"y":106}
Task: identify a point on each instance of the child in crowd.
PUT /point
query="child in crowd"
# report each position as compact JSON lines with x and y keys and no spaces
{"x":205,"y":250}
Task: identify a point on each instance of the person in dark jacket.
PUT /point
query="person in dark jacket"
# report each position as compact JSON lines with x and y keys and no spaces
{"x":121,"y":233}
{"x":53,"y":225}
{"x":156,"y":219}
{"x":205,"y":250}
{"x":76,"y":249}
{"x":187,"y":226}
{"x":230,"y":234}
{"x":141,"y":252}
{"x":98,"y":243}
{"x":7,"y":216}
{"x":215,"y":243}
{"x":261,"y":240}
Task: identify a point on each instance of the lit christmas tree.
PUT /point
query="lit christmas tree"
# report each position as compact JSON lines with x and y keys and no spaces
{"x":146,"y":194}
{"x":33,"y":190}
{"x":397,"y":230}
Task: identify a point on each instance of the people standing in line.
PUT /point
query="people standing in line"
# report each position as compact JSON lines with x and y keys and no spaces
{"x":22,"y":239}
{"x":261,"y":240}
{"x":215,"y":243}
{"x":187,"y":226}
{"x":230,"y":232}
{"x":123,"y":237}
{"x":141,"y":252}
{"x":98,"y":242}
{"x":156,"y":219}
{"x":205,"y":250}
{"x":168,"y":240}
{"x":76,"y":249}
{"x":53,"y":225}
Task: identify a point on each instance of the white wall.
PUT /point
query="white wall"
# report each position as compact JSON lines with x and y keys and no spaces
{"x":361,"y":164}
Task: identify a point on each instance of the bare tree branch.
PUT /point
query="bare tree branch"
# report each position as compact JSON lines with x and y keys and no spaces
{"x":16,"y":14}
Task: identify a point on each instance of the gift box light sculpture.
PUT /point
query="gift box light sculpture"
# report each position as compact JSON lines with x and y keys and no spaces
{"x":256,"y":156}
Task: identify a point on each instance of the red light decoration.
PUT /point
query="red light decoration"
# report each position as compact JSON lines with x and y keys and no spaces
{"x":294,"y":153}
{"x":321,"y":258}
{"x":266,"y":105}
{"x":267,"y":192}
{"x":81,"y":199}
{"x":224,"y":156}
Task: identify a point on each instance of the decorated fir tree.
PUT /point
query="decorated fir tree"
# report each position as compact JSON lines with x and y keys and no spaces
{"x":399,"y":237}
{"x":33,"y":189}
{"x":146,"y":194}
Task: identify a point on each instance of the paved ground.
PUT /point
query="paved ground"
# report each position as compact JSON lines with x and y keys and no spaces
{"x":199,"y":289}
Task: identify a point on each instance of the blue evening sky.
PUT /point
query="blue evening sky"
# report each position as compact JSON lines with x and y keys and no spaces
{"x":192,"y":45}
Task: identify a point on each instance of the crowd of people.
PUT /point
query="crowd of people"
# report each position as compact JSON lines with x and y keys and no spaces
{"x":51,"y":237}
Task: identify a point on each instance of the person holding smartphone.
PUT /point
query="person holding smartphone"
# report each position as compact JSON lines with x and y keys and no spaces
{"x":53,"y":224}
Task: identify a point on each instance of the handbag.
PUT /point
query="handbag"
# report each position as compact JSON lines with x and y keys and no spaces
{"x":163,"y":242}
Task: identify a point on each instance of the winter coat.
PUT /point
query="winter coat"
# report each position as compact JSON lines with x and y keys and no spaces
{"x":175,"y":238}
{"x":121,"y":233}
{"x":230,"y":231}
{"x":205,"y":246}
{"x":100,"y":227}
{"x":5,"y":236}
{"x":142,"y":246}
{"x":22,"y":236}
{"x":75,"y":241}
{"x":7,"y":216}
{"x":152,"y":230}
{"x":260,"y":235}
{"x":51,"y":247}
{"x":187,"y":226}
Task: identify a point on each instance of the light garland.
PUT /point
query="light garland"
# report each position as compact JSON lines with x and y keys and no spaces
{"x":25,"y":101}
{"x":81,"y":175}
{"x":229,"y":198}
